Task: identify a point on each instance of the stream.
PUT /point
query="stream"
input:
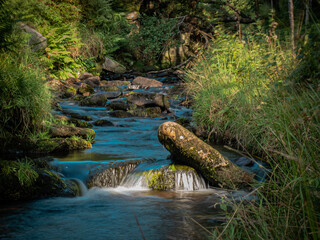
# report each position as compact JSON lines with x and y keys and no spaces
{"x":129,"y":210}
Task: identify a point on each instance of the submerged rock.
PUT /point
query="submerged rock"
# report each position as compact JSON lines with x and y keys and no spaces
{"x":120,"y":114}
{"x":188,"y":149}
{"x":117,"y":83}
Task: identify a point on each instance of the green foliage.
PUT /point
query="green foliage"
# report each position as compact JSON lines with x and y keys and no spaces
{"x":245,"y":93}
{"x":62,"y":51}
{"x":23,"y":170}
{"x":6,"y":26}
{"x":154,"y":37}
{"x":24,"y":97}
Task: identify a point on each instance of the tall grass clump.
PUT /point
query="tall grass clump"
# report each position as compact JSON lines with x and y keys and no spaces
{"x":24,"y":97}
{"x":245,"y":93}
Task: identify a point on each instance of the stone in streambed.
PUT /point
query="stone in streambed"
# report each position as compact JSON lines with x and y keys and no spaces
{"x":120,"y":114}
{"x":119,"y":105}
{"x":149,"y":100}
{"x":103,"y":123}
{"x":76,"y":122}
{"x":85,"y":88}
{"x":62,"y":145}
{"x":99,"y":99}
{"x":189,"y":150}
{"x":113,"y":66}
{"x":117,"y":83}
{"x":77,"y":116}
{"x":64,"y":131}
{"x":152,"y":112}
{"x":109,"y":176}
{"x":146,"y":82}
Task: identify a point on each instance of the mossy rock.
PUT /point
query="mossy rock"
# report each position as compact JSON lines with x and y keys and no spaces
{"x":80,"y":123}
{"x":62,"y":145}
{"x":85,"y":88}
{"x":78,"y":116}
{"x":27,"y":181}
{"x":70,"y":92}
{"x":161,"y":179}
{"x":110,"y":88}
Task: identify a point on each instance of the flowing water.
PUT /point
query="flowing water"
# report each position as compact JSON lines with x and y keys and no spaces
{"x":129,"y":209}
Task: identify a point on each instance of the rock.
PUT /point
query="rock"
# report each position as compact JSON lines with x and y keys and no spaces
{"x":77,"y":122}
{"x":72,"y":81}
{"x":103,"y":123}
{"x":117,"y":83}
{"x":98,"y":100}
{"x":85,"y":88}
{"x":174,"y":177}
{"x":120,"y":114}
{"x":152,"y":112}
{"x":93,"y":81}
{"x":113,"y":66}
{"x":146,"y":82}
{"x":64,"y":131}
{"x":149,"y":100}
{"x":188,"y":149}
{"x":85,"y":75}
{"x":109,"y":176}
{"x":119,"y":105}
{"x":70,"y":92}
{"x":37,"y":42}
{"x":78,"y":116}
{"x":110,"y":88}
{"x":42,"y":182}
{"x":62,"y":145}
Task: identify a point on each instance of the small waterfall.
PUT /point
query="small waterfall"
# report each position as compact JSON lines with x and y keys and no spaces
{"x":135,"y":181}
{"x":188,"y":181}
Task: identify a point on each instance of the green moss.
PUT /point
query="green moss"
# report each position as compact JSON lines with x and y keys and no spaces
{"x":161,"y":179}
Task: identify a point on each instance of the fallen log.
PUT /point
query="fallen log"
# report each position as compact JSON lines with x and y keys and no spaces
{"x":189,"y":150}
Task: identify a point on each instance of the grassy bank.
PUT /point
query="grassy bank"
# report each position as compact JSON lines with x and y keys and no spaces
{"x":257,"y":97}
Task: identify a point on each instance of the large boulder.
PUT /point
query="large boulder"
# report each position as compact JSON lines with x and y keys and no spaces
{"x":146,"y":82}
{"x":113,"y":66}
{"x":149,"y":100}
{"x":189,"y":150}
{"x":37,"y":42}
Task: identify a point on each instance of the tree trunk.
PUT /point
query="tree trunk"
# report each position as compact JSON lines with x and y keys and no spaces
{"x":291,"y":18}
{"x":187,"y":149}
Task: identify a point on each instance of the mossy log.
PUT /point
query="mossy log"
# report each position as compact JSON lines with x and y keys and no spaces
{"x":188,"y":149}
